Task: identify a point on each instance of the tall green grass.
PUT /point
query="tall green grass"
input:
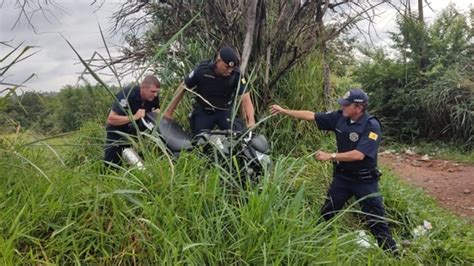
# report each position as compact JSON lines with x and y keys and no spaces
{"x":59,"y":207}
{"x":194,"y":216}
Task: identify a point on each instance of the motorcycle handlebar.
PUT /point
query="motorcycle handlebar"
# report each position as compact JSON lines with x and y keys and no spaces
{"x":225,"y":132}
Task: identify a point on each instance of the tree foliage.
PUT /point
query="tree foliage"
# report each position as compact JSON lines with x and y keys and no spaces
{"x":435,"y":102}
{"x":272,"y":36}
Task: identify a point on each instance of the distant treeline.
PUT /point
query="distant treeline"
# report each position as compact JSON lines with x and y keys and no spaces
{"x":50,"y":113}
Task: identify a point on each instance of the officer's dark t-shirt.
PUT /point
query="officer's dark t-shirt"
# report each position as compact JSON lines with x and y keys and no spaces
{"x":129,"y":100}
{"x":217,"y":90}
{"x":363,"y":135}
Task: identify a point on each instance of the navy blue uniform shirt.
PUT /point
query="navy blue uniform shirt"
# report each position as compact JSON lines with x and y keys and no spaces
{"x":217,"y":90}
{"x":363,"y":135}
{"x":129,"y":99}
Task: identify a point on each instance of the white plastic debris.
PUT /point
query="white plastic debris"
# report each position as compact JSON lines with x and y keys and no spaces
{"x":421,"y":230}
{"x":389,"y":151}
{"x":425,"y":157}
{"x":410,"y":152}
{"x":427,"y":225}
{"x":362,"y":239}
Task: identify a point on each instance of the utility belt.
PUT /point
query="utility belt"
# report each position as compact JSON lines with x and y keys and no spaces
{"x":363,"y":174}
{"x":208,"y":109}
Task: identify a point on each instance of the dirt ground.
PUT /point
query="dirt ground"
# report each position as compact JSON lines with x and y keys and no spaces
{"x":451,"y":184}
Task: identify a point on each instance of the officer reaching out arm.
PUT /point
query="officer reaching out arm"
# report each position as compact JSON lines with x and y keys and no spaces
{"x":176,"y":100}
{"x":214,"y":85}
{"x":248,"y":110}
{"x":355,"y":173}
{"x":353,"y":155}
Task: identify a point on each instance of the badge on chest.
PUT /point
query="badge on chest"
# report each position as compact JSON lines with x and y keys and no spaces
{"x":353,"y":136}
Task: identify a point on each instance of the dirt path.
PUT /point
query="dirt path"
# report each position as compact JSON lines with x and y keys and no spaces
{"x":451,"y":184}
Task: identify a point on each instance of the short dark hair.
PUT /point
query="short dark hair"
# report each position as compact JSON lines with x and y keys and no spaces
{"x":151,"y":80}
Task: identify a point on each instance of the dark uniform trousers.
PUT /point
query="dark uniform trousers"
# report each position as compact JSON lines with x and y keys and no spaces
{"x":202,"y":119}
{"x":343,"y":188}
{"x":114,"y":146}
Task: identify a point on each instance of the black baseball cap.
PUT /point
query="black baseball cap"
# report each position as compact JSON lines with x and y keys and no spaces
{"x":354,"y":96}
{"x":229,"y":56}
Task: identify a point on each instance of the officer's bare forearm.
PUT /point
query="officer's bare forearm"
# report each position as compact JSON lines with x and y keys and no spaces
{"x":299,"y":114}
{"x":350,"y":156}
{"x":248,"y":109}
{"x":176,"y":99}
{"x":115,"y":119}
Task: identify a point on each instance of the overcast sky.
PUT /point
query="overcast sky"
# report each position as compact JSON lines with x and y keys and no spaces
{"x":56,"y":65}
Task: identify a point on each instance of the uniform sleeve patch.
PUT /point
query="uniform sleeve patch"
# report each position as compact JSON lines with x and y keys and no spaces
{"x":123,"y":103}
{"x":373,"y":136}
{"x":243,"y":81}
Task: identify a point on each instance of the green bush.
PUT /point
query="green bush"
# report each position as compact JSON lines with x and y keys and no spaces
{"x":431,"y":102}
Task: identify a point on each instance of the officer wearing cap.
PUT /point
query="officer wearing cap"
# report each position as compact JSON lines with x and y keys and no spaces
{"x":355,"y":163}
{"x":134,"y":100}
{"x":214,"y":85}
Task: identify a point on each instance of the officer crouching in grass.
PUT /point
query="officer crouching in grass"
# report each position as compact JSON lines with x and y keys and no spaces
{"x":215,"y":85}
{"x":138,"y":100}
{"x":355,"y":163}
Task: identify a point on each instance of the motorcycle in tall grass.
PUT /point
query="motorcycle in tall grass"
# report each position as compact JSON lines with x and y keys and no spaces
{"x":242,"y":153}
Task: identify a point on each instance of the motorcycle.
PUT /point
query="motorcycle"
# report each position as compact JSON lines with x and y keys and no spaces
{"x":250,"y":150}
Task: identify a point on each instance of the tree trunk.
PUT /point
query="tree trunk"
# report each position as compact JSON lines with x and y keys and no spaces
{"x":420,"y":11}
{"x":266,"y":81}
{"x":423,"y":57}
{"x":249,"y":34}
{"x":326,"y":77}
{"x":324,"y":60}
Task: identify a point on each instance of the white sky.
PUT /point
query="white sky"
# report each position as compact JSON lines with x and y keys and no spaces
{"x":56,"y":65}
{"x":386,"y":21}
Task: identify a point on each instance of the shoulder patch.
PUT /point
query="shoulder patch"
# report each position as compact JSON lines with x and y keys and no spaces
{"x":123,"y":103}
{"x":373,"y":136}
{"x":243,"y":81}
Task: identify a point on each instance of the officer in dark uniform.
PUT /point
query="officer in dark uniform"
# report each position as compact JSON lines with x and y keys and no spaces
{"x":355,"y":163}
{"x":132,"y":102}
{"x":215,"y":85}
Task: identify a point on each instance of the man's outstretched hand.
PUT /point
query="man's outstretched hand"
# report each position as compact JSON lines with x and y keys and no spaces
{"x":276,"y":109}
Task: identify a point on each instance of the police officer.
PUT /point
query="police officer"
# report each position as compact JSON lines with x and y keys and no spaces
{"x":214,"y":85}
{"x":355,"y":173}
{"x":133,"y":100}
